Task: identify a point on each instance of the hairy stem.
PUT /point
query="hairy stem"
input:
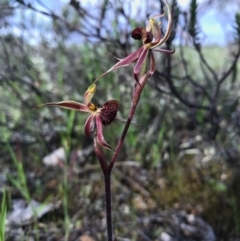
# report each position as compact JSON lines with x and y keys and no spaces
{"x":108,"y":205}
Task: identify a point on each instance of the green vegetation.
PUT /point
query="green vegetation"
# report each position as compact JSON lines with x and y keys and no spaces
{"x":3,"y":214}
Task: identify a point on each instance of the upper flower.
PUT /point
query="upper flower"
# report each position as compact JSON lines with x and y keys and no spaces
{"x":98,"y":116}
{"x":151,"y":38}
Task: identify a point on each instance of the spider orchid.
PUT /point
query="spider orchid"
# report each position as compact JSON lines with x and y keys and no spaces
{"x":151,"y":38}
{"x":98,"y":116}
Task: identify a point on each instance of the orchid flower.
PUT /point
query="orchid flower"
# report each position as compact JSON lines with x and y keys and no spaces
{"x":98,"y":116}
{"x":143,"y":56}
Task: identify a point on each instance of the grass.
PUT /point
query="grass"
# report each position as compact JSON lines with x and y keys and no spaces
{"x":3,"y":214}
{"x":20,"y":181}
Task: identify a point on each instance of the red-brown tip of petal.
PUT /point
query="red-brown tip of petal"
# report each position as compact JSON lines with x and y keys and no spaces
{"x":141,"y":33}
{"x":137,"y":33}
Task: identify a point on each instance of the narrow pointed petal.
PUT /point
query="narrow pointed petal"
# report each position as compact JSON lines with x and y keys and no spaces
{"x":140,"y":62}
{"x":169,"y":28}
{"x":100,"y":138}
{"x":156,"y":31}
{"x":124,"y":62}
{"x":149,"y":26}
{"x":90,"y":125}
{"x":152,"y":64}
{"x":89,"y":93}
{"x":71,"y":105}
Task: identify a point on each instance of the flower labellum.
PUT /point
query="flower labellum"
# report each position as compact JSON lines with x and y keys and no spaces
{"x":109,"y":111}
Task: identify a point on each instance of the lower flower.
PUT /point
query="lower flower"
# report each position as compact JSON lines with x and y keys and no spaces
{"x":98,"y":116}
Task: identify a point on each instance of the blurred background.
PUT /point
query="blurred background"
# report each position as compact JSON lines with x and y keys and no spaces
{"x":178,"y":174}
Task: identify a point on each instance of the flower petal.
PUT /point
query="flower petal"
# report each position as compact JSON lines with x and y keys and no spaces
{"x":124,"y":62}
{"x":169,"y":28}
{"x":149,"y":25}
{"x":152,"y":64}
{"x":109,"y":111}
{"x":90,"y":125}
{"x":72,"y":105}
{"x":140,"y":62}
{"x":89,"y":93}
{"x":100,"y":138}
{"x":155,"y":28}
